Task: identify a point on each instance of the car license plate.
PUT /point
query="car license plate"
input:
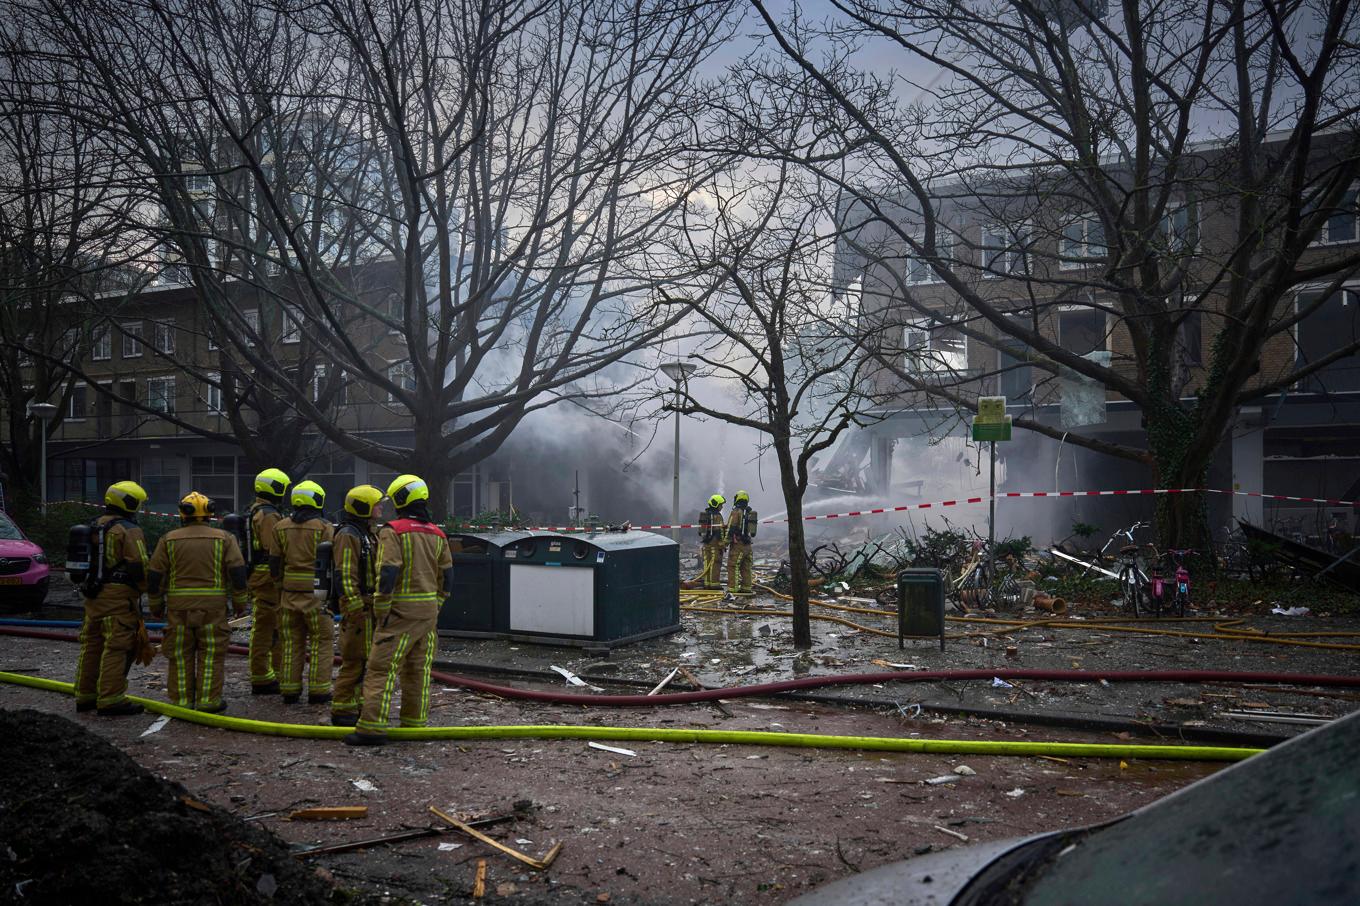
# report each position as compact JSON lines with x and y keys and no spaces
{"x":11,"y":581}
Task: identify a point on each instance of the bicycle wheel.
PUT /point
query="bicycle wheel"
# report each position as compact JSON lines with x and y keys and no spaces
{"x":1130,"y":590}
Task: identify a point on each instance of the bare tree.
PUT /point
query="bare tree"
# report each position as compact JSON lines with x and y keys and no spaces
{"x":1164,"y":168}
{"x":505,"y":177}
{"x":60,"y":240}
{"x":778,"y":333}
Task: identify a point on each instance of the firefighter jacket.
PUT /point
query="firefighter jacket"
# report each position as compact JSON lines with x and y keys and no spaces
{"x":123,"y":567}
{"x":355,"y":563}
{"x":264,"y":518}
{"x":416,"y":565}
{"x":741,"y":524}
{"x":197,"y":565}
{"x":293,"y":560}
{"x":711,"y":527}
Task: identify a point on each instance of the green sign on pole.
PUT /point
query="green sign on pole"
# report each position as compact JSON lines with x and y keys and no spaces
{"x":983,"y":431}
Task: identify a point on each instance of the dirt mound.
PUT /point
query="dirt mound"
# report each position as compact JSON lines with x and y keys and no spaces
{"x":81,"y":822}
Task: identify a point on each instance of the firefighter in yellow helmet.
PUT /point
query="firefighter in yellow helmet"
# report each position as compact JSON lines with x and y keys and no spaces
{"x":266,"y":646}
{"x":712,"y":539}
{"x":355,"y":578}
{"x":304,"y":622}
{"x":741,"y":530}
{"x":113,"y":595}
{"x":193,"y":572}
{"x":415,"y":573}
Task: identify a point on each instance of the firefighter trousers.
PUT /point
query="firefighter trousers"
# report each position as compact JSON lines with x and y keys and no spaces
{"x":308,"y":634}
{"x":355,"y":641}
{"x":404,"y":645}
{"x":196,"y":640}
{"x":713,"y":558}
{"x":739,"y":566}
{"x":266,"y":643}
{"x":107,"y":646}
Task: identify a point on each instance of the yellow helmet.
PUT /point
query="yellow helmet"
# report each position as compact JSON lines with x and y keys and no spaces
{"x":309,"y":493}
{"x":741,"y":497}
{"x":361,"y":501}
{"x":716,"y":500}
{"x":127,"y":496}
{"x":196,"y":506}
{"x":272,"y":481}
{"x":407,"y":489}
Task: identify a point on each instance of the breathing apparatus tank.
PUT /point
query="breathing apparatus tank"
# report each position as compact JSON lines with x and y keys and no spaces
{"x":323,"y":572}
{"x":752,"y":521}
{"x":235,"y":524}
{"x":80,"y":558}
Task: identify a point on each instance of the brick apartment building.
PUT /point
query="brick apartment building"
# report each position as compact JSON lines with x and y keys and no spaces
{"x":1028,"y":254}
{"x":159,"y":349}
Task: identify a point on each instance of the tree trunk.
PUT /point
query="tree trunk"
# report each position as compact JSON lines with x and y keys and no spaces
{"x":798,"y":563}
{"x":1182,"y":519}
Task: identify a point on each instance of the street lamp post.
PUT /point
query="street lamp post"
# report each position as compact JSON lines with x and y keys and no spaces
{"x":44,"y":412}
{"x":678,"y":372}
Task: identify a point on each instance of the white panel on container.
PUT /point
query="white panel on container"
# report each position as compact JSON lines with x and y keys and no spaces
{"x":552,"y":599}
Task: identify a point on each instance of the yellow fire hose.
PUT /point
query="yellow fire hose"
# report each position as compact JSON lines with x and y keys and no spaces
{"x":650,"y":734}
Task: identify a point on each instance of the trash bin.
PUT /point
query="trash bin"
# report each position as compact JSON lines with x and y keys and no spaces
{"x":920,"y":605}
{"x":476,"y":606}
{"x":595,"y":590}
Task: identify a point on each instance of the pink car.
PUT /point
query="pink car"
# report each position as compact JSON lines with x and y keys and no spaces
{"x":23,"y":568}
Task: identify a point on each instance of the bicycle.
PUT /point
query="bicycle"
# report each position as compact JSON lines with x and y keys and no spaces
{"x":1135,"y":588}
{"x":1180,"y":597}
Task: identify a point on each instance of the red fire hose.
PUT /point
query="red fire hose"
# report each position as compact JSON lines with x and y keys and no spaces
{"x":815,"y":682}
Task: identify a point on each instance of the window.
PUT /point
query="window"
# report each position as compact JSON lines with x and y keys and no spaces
{"x":335,"y":474}
{"x":919,"y":270}
{"x":160,"y":394}
{"x":212,"y":391}
{"x":215,"y":477}
{"x":132,"y":339}
{"x":164,"y":336}
{"x":403,"y":375}
{"x":252,"y":319}
{"x":1190,"y":339}
{"x":935,"y":350}
{"x":1001,"y":252}
{"x":77,"y":403}
{"x":160,"y":480}
{"x":318,"y":382}
{"x":1324,"y":327}
{"x":1081,"y":330}
{"x":394,"y":311}
{"x":1179,"y":228}
{"x":1341,"y":225}
{"x":290,"y":331}
{"x":1082,"y":240}
{"x":101,"y":344}
{"x":1016,"y":379}
{"x":199,"y":183}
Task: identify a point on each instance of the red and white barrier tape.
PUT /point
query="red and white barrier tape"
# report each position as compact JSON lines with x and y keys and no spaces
{"x":935,"y":504}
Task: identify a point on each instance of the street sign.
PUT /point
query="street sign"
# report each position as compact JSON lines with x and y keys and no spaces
{"x":993,"y":432}
{"x":991,"y":410}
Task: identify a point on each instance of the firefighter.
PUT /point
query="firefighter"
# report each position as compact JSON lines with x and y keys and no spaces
{"x":415,"y":571}
{"x":193,"y":572}
{"x":304,"y":622}
{"x":354,"y":566}
{"x":712,"y":536}
{"x":741,"y":529}
{"x":113,"y":596}
{"x":266,"y":646}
